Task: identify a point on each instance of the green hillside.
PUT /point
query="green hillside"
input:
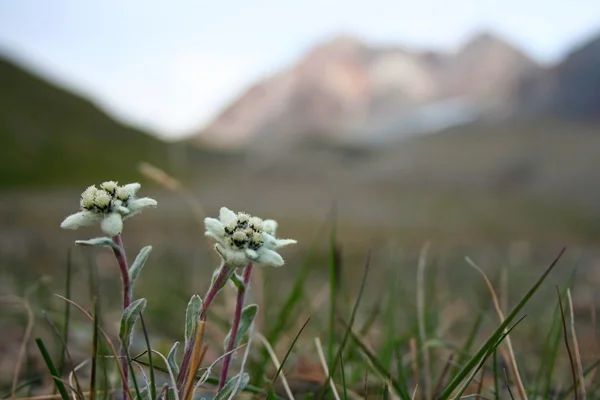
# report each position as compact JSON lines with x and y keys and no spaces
{"x":50,"y":137}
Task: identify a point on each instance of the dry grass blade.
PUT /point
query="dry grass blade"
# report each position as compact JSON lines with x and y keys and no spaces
{"x":104,"y":335}
{"x":415,"y":358}
{"x":197,"y":355}
{"x":414,"y":395}
{"x":440,"y":381}
{"x":168,"y":182}
{"x":325,"y":369}
{"x":480,"y":386}
{"x":512,"y":359}
{"x":576,"y":347}
{"x":421,"y":318}
{"x":28,"y":329}
{"x":564,"y":324}
{"x":277,"y":364}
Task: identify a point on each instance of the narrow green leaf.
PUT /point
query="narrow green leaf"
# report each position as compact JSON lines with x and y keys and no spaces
{"x":138,"y":265}
{"x":128,"y":320}
{"x":248,"y":314}
{"x":191,"y":318}
{"x":52,"y":369}
{"x":135,"y":383}
{"x":229,"y":389}
{"x":98,"y":242}
{"x":171,"y":358}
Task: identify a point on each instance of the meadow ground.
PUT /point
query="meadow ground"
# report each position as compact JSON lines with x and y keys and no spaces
{"x":417,"y":326}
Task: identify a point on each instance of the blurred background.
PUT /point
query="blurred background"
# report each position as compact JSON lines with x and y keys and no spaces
{"x":471,"y":124}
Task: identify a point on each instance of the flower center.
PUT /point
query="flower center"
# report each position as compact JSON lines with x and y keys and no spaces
{"x":245,"y":232}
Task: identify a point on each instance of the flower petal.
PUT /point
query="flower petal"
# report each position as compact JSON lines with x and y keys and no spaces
{"x":132,"y":188}
{"x":273,"y":243}
{"x":252,"y":254}
{"x":214,"y":228}
{"x":268,"y":257}
{"x":270,"y":226}
{"x":232,"y":258}
{"x":226,"y":215}
{"x":135,"y":206}
{"x":80,"y":219}
{"x":112,"y":224}
{"x":284,"y":242}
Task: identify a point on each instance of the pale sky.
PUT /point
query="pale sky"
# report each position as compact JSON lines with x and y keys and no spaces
{"x":169,"y":66}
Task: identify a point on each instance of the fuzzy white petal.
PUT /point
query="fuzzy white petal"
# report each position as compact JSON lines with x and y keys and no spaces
{"x":270,"y":226}
{"x":269,"y":258}
{"x":283,"y":242}
{"x":132,"y":188}
{"x":112,"y":224}
{"x":122,"y":210}
{"x":252,"y":254}
{"x":137,"y":205}
{"x":80,"y":219}
{"x":215,"y":227}
{"x":226,"y":215}
{"x":232,"y":258}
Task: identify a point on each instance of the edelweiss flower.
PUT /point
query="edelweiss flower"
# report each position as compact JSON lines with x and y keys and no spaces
{"x":109,"y":205}
{"x":243,"y":239}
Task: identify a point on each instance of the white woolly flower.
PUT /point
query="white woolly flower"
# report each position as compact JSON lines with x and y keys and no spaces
{"x":109,"y":205}
{"x":243,"y":239}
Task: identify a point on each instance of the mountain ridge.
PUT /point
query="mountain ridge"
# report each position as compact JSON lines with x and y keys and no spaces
{"x":346,"y":88}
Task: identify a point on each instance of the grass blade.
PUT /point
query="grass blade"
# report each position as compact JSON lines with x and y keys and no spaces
{"x":288,"y":352}
{"x":151,"y":364}
{"x":351,"y":323}
{"x":334,"y":272}
{"x":60,"y":386}
{"x":566,"y":337}
{"x":66,"y":352}
{"x":498,"y":332}
{"x":67,"y":313}
{"x":93,"y":373}
{"x":379,"y":368}
{"x":135,"y":384}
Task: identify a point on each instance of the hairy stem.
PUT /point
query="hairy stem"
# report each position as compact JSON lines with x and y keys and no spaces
{"x":241,"y":298}
{"x":214,"y":288}
{"x":122,"y":260}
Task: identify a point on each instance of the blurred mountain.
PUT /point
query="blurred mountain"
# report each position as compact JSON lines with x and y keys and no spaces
{"x":346,"y":90}
{"x":569,"y":89}
{"x":49,"y":136}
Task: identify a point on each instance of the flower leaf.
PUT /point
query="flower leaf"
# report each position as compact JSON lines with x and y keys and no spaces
{"x":191,"y":318}
{"x":230,"y":391}
{"x":98,"y":242}
{"x":237,"y":281}
{"x":248,"y":314}
{"x":171,"y":358}
{"x":129,"y":318}
{"x":138,"y":265}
